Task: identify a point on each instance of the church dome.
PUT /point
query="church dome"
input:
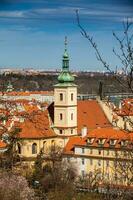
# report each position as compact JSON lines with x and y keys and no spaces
{"x":65,"y":77}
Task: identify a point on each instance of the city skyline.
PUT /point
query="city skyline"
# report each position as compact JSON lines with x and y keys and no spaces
{"x":32,"y":32}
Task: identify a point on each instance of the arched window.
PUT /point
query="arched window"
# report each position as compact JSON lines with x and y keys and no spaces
{"x":61,"y":97}
{"x":19,"y":148}
{"x":61,"y":116}
{"x":34,"y":148}
{"x":71,"y":116}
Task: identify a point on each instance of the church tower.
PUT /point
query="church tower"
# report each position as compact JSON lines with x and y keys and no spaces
{"x":65,"y":104}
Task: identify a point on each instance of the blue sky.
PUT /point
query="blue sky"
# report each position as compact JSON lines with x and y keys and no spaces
{"x":32,"y":32}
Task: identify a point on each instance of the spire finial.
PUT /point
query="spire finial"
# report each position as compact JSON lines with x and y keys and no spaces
{"x":65,"y":42}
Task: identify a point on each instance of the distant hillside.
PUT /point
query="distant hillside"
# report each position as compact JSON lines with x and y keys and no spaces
{"x":86,"y":84}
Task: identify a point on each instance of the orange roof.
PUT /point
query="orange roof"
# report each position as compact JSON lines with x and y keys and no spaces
{"x":108,"y":133}
{"x":126,"y":108}
{"x":2,"y":144}
{"x":28,"y":93}
{"x":72,"y":142}
{"x":99,"y":133}
{"x":91,"y":115}
{"x":30,"y":108}
{"x":36,"y":126}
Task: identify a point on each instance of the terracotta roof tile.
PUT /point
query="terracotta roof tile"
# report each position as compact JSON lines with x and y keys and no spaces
{"x":91,"y":115}
{"x":28,"y":93}
{"x":37,"y":126}
{"x":72,"y":142}
{"x":109,"y":133}
{"x":96,"y":134}
{"x":2,"y":144}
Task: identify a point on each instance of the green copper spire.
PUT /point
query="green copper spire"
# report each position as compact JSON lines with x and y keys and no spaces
{"x":65,"y":61}
{"x":65,"y":75}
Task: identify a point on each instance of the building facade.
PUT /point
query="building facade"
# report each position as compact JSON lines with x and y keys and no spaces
{"x":65,"y":104}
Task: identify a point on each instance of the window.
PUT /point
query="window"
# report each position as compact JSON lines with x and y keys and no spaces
{"x":100,"y":142}
{"x":71,"y":116}
{"x":91,"y":151}
{"x":83,"y":150}
{"x":68,"y":159}
{"x":83,"y":173}
{"x":44,"y":146}
{"x":99,"y":163}
{"x":19,"y":148}
{"x":61,"y":116}
{"x":34,"y":148}
{"x":83,"y":161}
{"x":72,"y":131}
{"x":107,"y":152}
{"x":107,"y":163}
{"x":61,"y":97}
{"x":61,"y":131}
{"x":91,"y":162}
{"x":52,"y":142}
{"x":99,"y":152}
{"x":90,"y":141}
{"x":71,"y":96}
{"x":124,"y":143}
{"x":112,"y":142}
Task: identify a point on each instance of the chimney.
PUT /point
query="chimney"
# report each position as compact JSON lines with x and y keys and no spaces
{"x":84,"y":131}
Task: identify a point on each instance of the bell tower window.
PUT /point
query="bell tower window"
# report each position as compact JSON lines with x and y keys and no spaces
{"x":71,"y":116}
{"x":71,"y":96}
{"x":61,"y":97}
{"x":61,"y":116}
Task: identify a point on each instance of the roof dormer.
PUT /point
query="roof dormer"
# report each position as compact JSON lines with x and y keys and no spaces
{"x":124,"y":143}
{"x":90,"y":141}
{"x":101,"y":141}
{"x":112,"y":142}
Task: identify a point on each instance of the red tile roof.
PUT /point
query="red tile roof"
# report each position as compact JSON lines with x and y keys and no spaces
{"x":91,"y":115}
{"x":108,"y":133}
{"x":37,"y":126}
{"x":28,"y":93}
{"x":99,"y":133}
{"x":2,"y":144}
{"x":72,"y":142}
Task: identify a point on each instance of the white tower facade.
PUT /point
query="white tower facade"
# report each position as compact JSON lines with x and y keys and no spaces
{"x":65,"y":104}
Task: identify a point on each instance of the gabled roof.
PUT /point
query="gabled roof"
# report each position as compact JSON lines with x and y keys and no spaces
{"x":91,"y":115}
{"x":72,"y":142}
